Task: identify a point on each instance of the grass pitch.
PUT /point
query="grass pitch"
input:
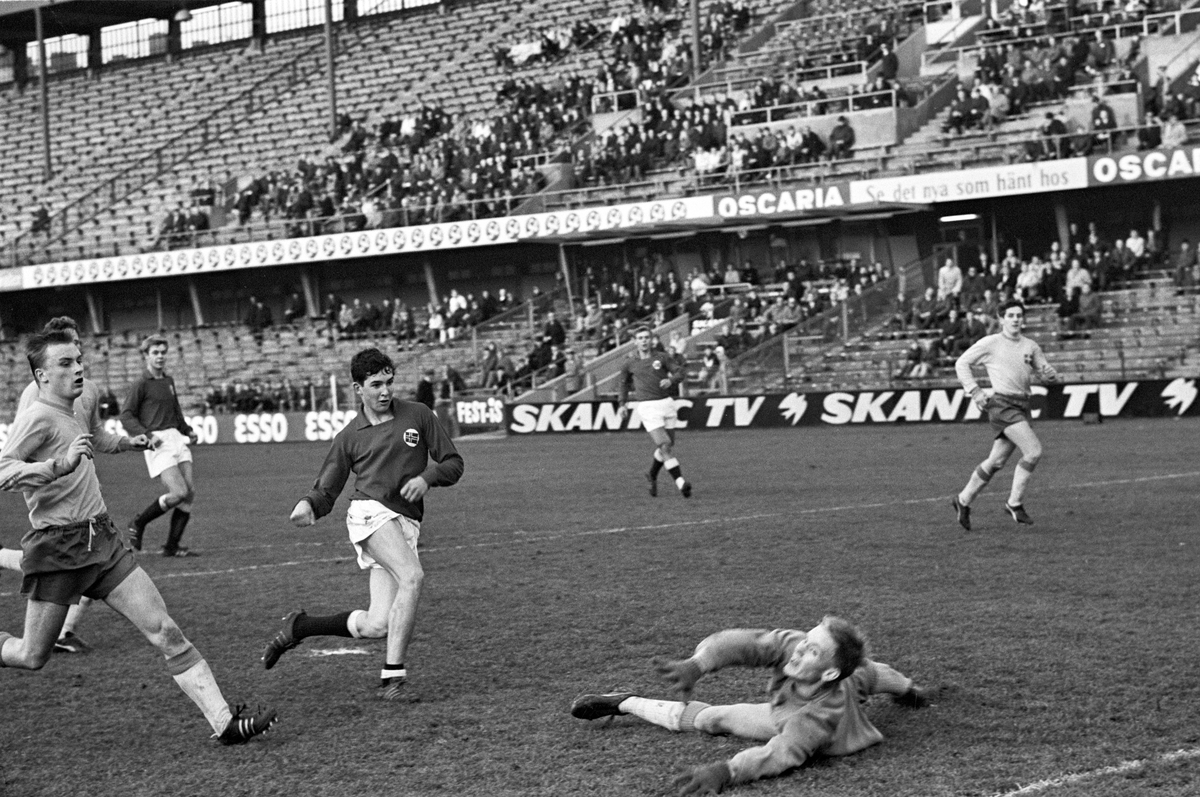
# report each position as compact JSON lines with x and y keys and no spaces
{"x":1069,"y":647}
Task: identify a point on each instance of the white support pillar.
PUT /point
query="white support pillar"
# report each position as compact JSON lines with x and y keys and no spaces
{"x":95,"y":311}
{"x":197,"y":305}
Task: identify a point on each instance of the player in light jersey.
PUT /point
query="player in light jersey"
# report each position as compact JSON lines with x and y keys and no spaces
{"x":397,"y":450}
{"x":644,"y":385}
{"x":73,"y":548}
{"x":820,"y":681}
{"x":10,"y":558}
{"x":1011,"y":360}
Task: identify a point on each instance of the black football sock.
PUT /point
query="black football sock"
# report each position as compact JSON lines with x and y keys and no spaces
{"x":655,"y":467}
{"x":151,"y":512}
{"x":325,"y":625}
{"x":179,"y":521}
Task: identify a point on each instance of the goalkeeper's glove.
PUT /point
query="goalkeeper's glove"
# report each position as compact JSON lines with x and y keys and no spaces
{"x":706,"y":779}
{"x":915,"y":697}
{"x":681,"y":674}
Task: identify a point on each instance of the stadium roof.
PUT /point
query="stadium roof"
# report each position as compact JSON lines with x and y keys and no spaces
{"x":63,"y":17}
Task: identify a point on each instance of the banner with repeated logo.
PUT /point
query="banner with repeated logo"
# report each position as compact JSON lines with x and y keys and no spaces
{"x":299,"y":427}
{"x":338,"y":246}
{"x":1149,"y":399}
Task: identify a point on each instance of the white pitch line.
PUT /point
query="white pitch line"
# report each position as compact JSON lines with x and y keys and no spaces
{"x":339,"y":652}
{"x":526,"y":536}
{"x":1116,"y":769}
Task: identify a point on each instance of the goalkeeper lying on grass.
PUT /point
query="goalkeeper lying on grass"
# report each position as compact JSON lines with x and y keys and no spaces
{"x":820,"y":681}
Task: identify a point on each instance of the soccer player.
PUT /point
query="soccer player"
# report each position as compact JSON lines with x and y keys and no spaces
{"x":152,"y":408}
{"x":74,"y":549}
{"x":1011,"y":359}
{"x":652,"y":374}
{"x":397,"y":450}
{"x":820,"y":680}
{"x":89,"y":400}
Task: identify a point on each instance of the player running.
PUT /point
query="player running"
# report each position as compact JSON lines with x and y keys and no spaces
{"x":73,"y":548}
{"x":1010,"y":359}
{"x":652,"y":374}
{"x":89,"y":404}
{"x":388,"y":448}
{"x":153,"y":409}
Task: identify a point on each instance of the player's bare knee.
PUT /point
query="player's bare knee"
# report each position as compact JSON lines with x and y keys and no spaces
{"x":413,"y":578}
{"x":372,"y":628}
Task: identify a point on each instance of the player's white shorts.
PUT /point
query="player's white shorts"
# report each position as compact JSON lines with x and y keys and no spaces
{"x":364,"y":518}
{"x":172,"y":449}
{"x":657,"y":414}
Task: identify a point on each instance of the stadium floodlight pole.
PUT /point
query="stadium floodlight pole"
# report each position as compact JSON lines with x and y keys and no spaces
{"x":329,"y":70}
{"x":47,"y":168}
{"x":695,"y":41}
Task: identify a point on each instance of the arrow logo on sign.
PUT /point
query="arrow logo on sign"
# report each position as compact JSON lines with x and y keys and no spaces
{"x":1180,"y":394}
{"x":792,"y":407}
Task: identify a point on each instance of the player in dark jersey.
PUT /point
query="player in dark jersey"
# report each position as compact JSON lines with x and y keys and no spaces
{"x":396,"y":450}
{"x":152,"y":409}
{"x":645,"y":384}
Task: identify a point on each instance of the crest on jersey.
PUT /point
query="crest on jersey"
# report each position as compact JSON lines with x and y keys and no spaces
{"x":411,"y":437}
{"x":656,"y":365}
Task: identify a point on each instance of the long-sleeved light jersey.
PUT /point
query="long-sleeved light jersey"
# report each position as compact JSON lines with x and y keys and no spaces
{"x":831,"y":723}
{"x":1010,"y":364}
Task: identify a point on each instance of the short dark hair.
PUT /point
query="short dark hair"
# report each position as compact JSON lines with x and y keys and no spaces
{"x":639,"y":329}
{"x":850,"y":646}
{"x":35,"y":347}
{"x":369,"y":362}
{"x":60,"y":322}
{"x":1011,"y":303}
{"x":153,"y":340}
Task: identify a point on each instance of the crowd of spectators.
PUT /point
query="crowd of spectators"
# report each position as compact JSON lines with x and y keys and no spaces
{"x":278,"y":395}
{"x":945,"y":320}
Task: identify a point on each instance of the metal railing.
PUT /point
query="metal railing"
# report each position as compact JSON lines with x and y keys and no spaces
{"x":835,"y":104}
{"x":196,"y":137}
{"x":772,"y":360}
{"x":1170,"y":23}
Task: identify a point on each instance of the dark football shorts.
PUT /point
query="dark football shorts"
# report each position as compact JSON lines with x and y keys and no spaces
{"x":1004,"y":410}
{"x":62,"y":563}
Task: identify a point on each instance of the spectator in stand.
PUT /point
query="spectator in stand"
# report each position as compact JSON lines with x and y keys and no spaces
{"x":1087,"y":311}
{"x":425,"y":393}
{"x":554,"y":330}
{"x":973,"y":286}
{"x":1104,"y":125}
{"x":1174,"y":132}
{"x":1077,"y":277}
{"x":41,"y":220}
{"x":924,"y":311}
{"x":903,"y":316}
{"x":954,"y":337}
{"x":1184,"y":266}
{"x":841,"y":140}
{"x":950,"y":282}
{"x":294,"y":310}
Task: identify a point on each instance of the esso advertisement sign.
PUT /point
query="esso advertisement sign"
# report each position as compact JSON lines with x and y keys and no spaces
{"x":266,"y":427}
{"x":325,"y":424}
{"x":206,"y":428}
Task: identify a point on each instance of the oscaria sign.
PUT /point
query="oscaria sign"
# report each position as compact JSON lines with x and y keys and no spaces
{"x":1158,"y":164}
{"x":785,"y":202}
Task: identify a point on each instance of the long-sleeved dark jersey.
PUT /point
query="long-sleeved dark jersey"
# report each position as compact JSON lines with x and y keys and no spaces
{"x":384,"y":457}
{"x":646,"y":375}
{"x":152,"y":406}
